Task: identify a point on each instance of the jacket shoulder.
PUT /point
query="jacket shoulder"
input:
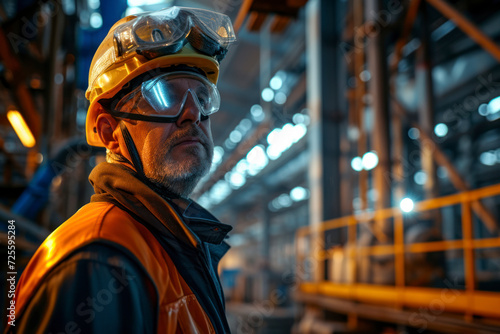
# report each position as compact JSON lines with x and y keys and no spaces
{"x":100,"y":222}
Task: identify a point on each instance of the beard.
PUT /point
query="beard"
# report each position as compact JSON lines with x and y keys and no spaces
{"x":179,"y":176}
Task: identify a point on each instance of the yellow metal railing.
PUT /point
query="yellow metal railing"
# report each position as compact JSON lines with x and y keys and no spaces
{"x":468,"y":301}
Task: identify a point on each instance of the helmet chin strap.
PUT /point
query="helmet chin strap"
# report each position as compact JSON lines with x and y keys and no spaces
{"x":132,"y":150}
{"x":137,"y":164}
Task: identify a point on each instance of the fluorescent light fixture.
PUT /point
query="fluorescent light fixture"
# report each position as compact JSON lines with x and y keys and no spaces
{"x":21,"y":128}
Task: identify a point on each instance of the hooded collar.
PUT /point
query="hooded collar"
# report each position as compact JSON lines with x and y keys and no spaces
{"x":184,"y":218}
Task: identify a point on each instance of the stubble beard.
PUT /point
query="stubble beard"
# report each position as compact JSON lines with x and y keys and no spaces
{"x":180,"y":177}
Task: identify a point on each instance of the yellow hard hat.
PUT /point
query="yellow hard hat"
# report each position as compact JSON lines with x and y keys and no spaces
{"x":141,"y":43}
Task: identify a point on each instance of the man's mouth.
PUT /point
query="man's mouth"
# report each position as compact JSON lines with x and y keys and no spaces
{"x":188,"y":141}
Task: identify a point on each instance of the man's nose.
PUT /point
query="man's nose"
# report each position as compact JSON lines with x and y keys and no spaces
{"x":190,"y":111}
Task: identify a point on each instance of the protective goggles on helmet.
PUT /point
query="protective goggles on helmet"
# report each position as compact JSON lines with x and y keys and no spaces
{"x":163,"y":98}
{"x":167,"y":31}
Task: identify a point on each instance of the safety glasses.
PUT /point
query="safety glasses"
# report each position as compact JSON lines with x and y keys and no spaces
{"x":163,"y":98}
{"x":167,"y":31}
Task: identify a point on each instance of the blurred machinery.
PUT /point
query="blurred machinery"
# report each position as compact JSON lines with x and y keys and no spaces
{"x":357,"y":155}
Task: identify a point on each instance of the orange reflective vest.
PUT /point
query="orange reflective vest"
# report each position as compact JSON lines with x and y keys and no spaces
{"x":179,"y":309}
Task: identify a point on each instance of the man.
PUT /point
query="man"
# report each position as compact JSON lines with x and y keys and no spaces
{"x":141,"y":257}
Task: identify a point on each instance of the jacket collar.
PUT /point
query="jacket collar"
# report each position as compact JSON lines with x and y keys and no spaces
{"x":184,"y":218}
{"x":200,"y":221}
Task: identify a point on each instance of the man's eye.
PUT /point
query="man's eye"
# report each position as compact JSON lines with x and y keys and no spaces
{"x":204,"y":100}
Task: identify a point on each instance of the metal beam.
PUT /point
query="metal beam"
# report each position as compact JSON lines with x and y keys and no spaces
{"x":242,"y":14}
{"x":467,"y":27}
{"x":442,"y":323}
{"x":411,"y":15}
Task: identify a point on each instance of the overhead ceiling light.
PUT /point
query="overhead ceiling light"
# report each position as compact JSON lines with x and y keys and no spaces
{"x":488,"y":158}
{"x":257,"y":113}
{"x":494,"y":105}
{"x":441,"y":129}
{"x":245,"y":125}
{"x":137,"y":3}
{"x":21,"y":128}
{"x":420,"y":177}
{"x":277,"y":80}
{"x":218,"y":153}
{"x":369,"y":160}
{"x":357,"y":164}
{"x":483,"y":109}
{"x":413,"y":133}
{"x":267,"y":94}
{"x":280,"y":98}
{"x":94,"y":4}
{"x":276,"y":83}
{"x":96,"y":20}
{"x":298,"y":118}
{"x":133,"y":11}
{"x":257,"y":159}
{"x":235,"y":136}
{"x":406,"y":205}
{"x":365,"y":76}
{"x":298,"y":194}
{"x":284,"y":200}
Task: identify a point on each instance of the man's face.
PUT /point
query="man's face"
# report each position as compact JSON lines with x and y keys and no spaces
{"x":174,"y":155}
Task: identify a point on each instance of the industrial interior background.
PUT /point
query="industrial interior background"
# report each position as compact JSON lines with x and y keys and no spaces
{"x":357,"y":155}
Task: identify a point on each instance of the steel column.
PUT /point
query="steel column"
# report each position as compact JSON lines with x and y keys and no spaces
{"x":378,"y":88}
{"x":325,"y":81}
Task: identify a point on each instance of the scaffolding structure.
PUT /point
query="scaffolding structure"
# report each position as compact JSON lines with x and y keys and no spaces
{"x":376,"y":279}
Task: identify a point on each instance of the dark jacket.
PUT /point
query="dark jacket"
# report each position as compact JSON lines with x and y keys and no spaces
{"x":128,"y":262}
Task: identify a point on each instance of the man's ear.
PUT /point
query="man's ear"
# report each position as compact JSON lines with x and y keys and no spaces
{"x":108,"y":131}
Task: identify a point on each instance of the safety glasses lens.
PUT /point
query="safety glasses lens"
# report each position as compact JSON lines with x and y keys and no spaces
{"x":168,"y":94}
